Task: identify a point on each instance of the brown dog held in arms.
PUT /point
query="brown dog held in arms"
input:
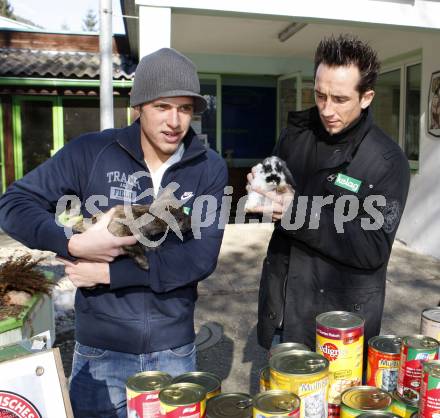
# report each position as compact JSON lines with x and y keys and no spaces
{"x":165,"y":208}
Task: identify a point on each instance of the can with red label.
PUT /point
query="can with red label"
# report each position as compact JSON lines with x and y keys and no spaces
{"x":183,"y":400}
{"x":415,"y":350}
{"x":383,"y":361}
{"x":430,"y":390}
{"x":143,"y":393}
{"x":334,"y":411}
{"x":340,"y":339}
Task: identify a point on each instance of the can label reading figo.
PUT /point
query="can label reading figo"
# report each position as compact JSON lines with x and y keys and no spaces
{"x":340,"y":339}
{"x":430,"y":390}
{"x":383,"y":361}
{"x":306,"y":375}
{"x":143,"y":393}
{"x":415,"y":351}
{"x":183,"y":400}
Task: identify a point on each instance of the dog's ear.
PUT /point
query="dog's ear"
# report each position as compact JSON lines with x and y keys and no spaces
{"x":288,"y":174}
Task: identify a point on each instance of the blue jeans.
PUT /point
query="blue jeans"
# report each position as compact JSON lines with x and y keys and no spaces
{"x":97,"y":383}
{"x":277,"y":337}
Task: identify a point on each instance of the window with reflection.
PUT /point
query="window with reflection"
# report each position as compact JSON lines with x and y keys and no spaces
{"x":386,"y":103}
{"x":412,"y":113}
{"x":36,"y":132}
{"x":206,"y":123}
{"x":81,"y":115}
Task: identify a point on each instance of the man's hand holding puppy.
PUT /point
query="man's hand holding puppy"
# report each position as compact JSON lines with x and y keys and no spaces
{"x":95,"y":248}
{"x":276,"y":203}
{"x":97,"y":243}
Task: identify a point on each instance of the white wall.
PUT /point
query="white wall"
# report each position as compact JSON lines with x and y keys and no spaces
{"x":411,"y":13}
{"x":420,"y":226}
{"x":240,"y":64}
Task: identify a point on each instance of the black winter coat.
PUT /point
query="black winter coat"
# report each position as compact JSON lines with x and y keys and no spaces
{"x":310,"y":271}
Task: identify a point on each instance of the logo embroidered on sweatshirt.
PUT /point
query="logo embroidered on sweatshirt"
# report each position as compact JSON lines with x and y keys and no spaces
{"x":125,"y":186}
{"x":348,"y":182}
{"x":187,"y":196}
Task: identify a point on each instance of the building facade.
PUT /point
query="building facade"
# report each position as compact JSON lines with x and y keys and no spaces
{"x":252,"y":52}
{"x":255,"y":62}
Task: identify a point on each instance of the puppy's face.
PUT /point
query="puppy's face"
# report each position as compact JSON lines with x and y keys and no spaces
{"x":273,"y":171}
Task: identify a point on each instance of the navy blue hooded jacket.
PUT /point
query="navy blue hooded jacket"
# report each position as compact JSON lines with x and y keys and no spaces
{"x":140,"y":311}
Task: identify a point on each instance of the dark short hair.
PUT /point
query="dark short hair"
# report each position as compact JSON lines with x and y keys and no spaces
{"x":348,"y":50}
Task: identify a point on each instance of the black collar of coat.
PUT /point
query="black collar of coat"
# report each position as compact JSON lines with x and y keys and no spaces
{"x":352,"y":135}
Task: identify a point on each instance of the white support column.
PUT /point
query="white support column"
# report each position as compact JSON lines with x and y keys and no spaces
{"x":154,"y":29}
{"x":106,"y":66}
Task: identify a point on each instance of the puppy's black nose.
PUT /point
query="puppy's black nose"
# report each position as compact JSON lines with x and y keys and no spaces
{"x":273,"y":178}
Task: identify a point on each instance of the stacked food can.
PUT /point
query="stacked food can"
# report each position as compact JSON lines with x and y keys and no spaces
{"x":305,"y":374}
{"x":403,"y":379}
{"x":340,"y":339}
{"x":361,"y":399}
{"x":383,"y":361}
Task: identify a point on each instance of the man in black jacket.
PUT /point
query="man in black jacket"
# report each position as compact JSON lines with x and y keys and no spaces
{"x":335,"y":228}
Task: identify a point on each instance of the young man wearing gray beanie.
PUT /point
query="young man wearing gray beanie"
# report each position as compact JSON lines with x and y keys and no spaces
{"x":128,"y":319}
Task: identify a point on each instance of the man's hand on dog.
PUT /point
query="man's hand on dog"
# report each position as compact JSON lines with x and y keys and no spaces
{"x":97,"y":243}
{"x":276,"y":203}
{"x":84,"y":273}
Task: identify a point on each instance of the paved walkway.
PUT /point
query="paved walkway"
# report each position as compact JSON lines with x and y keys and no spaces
{"x":227,"y":307}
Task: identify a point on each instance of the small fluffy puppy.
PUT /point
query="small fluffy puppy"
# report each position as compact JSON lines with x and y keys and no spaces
{"x":163,"y":208}
{"x":271,"y":174}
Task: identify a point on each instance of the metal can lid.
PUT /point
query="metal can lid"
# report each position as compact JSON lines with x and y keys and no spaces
{"x":432,"y":314}
{"x":388,"y":344}
{"x":296,"y":362}
{"x":276,"y":402}
{"x":209,"y":381}
{"x":181,"y":394}
{"x":403,"y":401}
{"x":148,"y":381}
{"x":366,"y":398}
{"x":432,"y":367}
{"x":340,"y":320}
{"x":420,"y":342}
{"x":231,"y":405}
{"x":286,"y":347}
{"x":378,"y":414}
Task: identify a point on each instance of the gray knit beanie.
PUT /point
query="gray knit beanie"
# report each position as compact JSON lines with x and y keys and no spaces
{"x":166,"y":73}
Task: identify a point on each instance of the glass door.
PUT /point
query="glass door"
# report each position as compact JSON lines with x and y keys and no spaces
{"x":2,"y":154}
{"x":35,"y":125}
{"x":294,"y":92}
{"x":208,"y":124}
